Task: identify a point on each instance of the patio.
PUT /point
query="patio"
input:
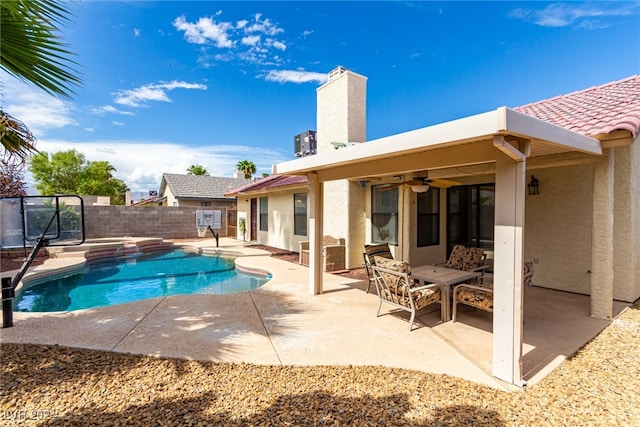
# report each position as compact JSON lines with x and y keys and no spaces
{"x":281,"y":324}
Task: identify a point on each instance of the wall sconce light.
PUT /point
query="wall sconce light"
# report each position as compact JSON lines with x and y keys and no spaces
{"x":533,"y":186}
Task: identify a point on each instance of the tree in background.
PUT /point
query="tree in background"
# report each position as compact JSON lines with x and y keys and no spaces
{"x":68,"y":172}
{"x":247,"y":167}
{"x":197,"y":170}
{"x":31,"y":51}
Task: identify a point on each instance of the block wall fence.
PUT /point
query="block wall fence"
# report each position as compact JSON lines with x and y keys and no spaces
{"x":147,"y":221}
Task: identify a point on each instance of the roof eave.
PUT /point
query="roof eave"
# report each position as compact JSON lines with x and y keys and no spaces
{"x":297,"y":186}
{"x":473,"y":128}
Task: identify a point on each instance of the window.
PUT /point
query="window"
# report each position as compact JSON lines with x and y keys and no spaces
{"x":205,"y":203}
{"x":300,"y":214}
{"x":264,"y":214}
{"x":384,"y":215}
{"x":429,"y":217}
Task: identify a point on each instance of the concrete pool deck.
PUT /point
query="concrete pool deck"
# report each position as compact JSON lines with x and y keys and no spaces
{"x":282,"y":324}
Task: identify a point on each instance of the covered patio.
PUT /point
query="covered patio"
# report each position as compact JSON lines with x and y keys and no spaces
{"x":505,"y":140}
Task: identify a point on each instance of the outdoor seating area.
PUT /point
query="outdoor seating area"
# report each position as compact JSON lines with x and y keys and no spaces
{"x":400,"y":285}
{"x":333,"y":253}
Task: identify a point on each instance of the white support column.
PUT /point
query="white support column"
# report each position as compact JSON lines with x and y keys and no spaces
{"x":508,"y":253}
{"x":315,"y":233}
{"x":602,"y":237}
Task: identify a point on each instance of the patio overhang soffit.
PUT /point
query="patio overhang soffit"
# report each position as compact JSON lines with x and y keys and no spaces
{"x":467,"y":141}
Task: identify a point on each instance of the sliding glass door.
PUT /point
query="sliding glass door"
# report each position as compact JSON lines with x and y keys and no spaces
{"x":470,"y":216}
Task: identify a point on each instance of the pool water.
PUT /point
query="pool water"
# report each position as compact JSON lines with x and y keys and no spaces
{"x":121,"y":280}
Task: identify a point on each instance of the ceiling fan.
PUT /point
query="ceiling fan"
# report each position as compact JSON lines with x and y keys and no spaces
{"x":421,"y":184}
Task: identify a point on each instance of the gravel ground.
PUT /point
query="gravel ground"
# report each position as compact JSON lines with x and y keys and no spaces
{"x":52,"y":385}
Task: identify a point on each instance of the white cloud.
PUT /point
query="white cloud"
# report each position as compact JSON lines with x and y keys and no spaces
{"x":115,"y":123}
{"x":251,"y":40}
{"x":38,"y":110}
{"x":277,"y":44}
{"x":264,"y":26}
{"x":152,"y":92}
{"x":110,"y":109}
{"x":581,"y":15}
{"x":294,"y":76}
{"x":136,"y":32}
{"x":140,"y":164}
{"x":205,"y":30}
{"x":242,"y":40}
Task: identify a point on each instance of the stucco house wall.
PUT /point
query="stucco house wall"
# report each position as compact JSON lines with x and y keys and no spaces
{"x":341,"y":117}
{"x":280,"y":234}
{"x":280,"y":220}
{"x":171,"y":199}
{"x":558,"y":228}
{"x":344,"y":217}
{"x":626,"y":232}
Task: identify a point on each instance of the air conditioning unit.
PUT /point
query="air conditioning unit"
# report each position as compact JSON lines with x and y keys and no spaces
{"x":305,"y":144}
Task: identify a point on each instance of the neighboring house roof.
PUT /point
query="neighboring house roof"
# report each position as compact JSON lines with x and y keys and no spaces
{"x":199,"y":186}
{"x":269,"y":183}
{"x":149,"y":201}
{"x":594,"y":111}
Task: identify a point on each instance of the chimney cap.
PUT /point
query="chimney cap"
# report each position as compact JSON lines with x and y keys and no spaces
{"x":336,"y":72}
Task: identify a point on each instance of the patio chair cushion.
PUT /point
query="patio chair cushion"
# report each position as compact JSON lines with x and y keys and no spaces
{"x":476,"y":297}
{"x":393,"y":281}
{"x":425,"y":297}
{"x":464,"y":258}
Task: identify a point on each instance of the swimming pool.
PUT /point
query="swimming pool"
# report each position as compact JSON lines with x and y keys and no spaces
{"x":141,"y":276}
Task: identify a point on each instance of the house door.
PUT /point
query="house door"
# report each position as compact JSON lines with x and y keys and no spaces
{"x":470,"y":216}
{"x":253,"y":230}
{"x":232,"y":220}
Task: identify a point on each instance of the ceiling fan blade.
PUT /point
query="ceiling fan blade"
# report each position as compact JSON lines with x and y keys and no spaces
{"x":415,"y":181}
{"x":443,"y":183}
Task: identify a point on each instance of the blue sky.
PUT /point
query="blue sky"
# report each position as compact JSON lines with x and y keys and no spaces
{"x":168,"y":84}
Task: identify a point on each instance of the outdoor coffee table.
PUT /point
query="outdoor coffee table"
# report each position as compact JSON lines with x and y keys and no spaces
{"x":443,"y":276}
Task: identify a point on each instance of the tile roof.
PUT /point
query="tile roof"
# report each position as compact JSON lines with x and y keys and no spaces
{"x":268,"y":183}
{"x":594,"y":111}
{"x":200,"y":187}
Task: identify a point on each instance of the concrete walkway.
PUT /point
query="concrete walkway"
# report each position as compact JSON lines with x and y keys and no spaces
{"x":277,"y":324}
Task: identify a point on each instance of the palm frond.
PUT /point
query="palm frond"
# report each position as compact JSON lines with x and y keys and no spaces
{"x":17,"y":140}
{"x":31,"y":51}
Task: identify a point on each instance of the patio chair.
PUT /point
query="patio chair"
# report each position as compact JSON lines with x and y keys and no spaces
{"x":370,"y":253}
{"x":467,"y":259}
{"x":396,"y":287}
{"x":480,"y":295}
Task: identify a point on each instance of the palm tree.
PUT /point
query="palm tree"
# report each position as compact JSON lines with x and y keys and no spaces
{"x":247,"y":167}
{"x":31,"y":51}
{"x":197,"y":170}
